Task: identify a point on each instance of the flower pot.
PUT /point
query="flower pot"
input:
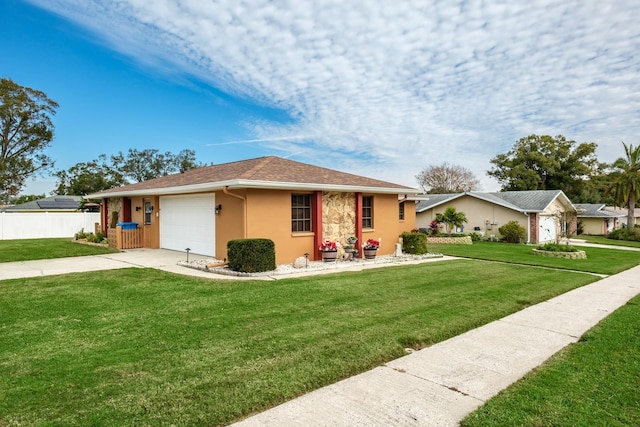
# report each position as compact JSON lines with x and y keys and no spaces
{"x":329,"y":256}
{"x":370,"y":253}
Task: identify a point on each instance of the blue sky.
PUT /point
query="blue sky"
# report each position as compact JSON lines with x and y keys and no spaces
{"x":377,"y":88}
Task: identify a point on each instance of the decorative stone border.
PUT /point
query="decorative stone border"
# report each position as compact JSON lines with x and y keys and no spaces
{"x":558,"y":254}
{"x":466,"y":240}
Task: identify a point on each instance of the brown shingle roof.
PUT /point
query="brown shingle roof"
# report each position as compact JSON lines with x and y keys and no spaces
{"x":260,"y":171}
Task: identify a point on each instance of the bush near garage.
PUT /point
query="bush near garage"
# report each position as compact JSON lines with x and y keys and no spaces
{"x":513,"y":232}
{"x":251,"y":255}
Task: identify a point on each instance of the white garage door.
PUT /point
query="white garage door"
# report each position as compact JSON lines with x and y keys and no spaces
{"x":547,"y":230}
{"x":188,"y":222}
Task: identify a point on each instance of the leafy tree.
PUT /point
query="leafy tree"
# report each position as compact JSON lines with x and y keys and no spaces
{"x":545,"y":163}
{"x":143,"y":165}
{"x":25,"y":198}
{"x":446,"y":178}
{"x":451,"y":218}
{"x":90,"y":177}
{"x":136,"y":166}
{"x":625,"y":187}
{"x":26,"y":130}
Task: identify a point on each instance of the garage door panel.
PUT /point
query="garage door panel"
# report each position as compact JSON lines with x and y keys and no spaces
{"x":547,"y":230}
{"x":188,"y":222}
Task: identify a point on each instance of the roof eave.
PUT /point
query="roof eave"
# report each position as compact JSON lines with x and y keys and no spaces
{"x":271,"y":185}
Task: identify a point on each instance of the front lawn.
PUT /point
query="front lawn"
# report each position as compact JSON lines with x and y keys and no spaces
{"x":591,"y":383}
{"x":599,"y":260}
{"x":30,"y":249}
{"x":146,"y":347}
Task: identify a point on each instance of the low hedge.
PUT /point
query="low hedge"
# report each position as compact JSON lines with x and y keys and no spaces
{"x":414,"y":243}
{"x":251,"y":255}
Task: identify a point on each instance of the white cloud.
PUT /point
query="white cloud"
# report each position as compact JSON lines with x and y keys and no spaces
{"x":398,"y":85}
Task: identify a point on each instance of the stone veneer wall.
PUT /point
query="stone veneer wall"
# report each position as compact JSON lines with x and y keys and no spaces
{"x":114,"y":204}
{"x":338,"y":216}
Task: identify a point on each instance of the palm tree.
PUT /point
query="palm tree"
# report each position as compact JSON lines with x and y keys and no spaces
{"x":451,"y":218}
{"x":626,"y":183}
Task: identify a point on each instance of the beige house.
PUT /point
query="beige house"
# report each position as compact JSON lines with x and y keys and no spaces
{"x":597,"y":220}
{"x":296,"y":205}
{"x":545,"y":214}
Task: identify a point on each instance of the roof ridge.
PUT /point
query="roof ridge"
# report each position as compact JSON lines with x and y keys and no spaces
{"x":261,"y":162}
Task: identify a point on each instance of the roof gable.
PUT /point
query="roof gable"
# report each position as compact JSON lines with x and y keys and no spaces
{"x":262,"y":172}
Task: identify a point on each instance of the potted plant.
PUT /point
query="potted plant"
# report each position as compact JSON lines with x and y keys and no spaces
{"x":329,"y":251}
{"x":352,"y":240}
{"x":371,"y":248}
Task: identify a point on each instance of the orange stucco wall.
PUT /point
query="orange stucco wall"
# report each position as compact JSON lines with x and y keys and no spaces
{"x":257,"y":213}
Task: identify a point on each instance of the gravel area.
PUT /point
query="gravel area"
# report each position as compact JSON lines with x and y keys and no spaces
{"x":311,"y":266}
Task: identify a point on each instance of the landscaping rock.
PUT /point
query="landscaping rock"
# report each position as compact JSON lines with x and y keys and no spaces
{"x":300,"y":262}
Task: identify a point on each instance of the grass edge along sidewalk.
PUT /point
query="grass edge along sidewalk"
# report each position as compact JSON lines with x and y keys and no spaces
{"x":145,"y":347}
{"x":599,"y":260}
{"x":589,"y":383}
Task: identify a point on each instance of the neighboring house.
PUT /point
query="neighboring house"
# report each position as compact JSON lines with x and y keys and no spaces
{"x":294,"y":204}
{"x":596,"y":219}
{"x":545,"y":214}
{"x":57,"y":216}
{"x":622,"y":214}
{"x":53,"y":204}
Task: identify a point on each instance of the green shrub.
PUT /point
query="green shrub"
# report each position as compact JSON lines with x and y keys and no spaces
{"x":513,"y":232}
{"x":251,"y":255}
{"x":414,"y":243}
{"x":554,"y":247}
{"x":91,"y":238}
{"x":475,"y":237}
{"x":81,"y":234}
{"x":631,"y":234}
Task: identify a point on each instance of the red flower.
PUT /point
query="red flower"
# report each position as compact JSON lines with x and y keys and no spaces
{"x":372,"y":244}
{"x":329,"y":246}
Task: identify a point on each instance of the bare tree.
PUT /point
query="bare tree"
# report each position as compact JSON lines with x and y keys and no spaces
{"x":447,"y":178}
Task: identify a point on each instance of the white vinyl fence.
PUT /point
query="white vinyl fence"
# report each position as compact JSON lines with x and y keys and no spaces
{"x":36,"y":225}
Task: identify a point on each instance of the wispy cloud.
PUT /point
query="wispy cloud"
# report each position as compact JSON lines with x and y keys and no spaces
{"x":396,"y":86}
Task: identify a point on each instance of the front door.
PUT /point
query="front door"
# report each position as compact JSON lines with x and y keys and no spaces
{"x":150,"y":223}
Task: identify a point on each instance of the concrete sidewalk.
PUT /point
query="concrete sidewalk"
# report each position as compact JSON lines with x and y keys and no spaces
{"x":440,"y":385}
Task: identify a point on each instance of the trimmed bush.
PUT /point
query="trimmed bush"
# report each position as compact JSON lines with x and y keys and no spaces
{"x":631,"y":234}
{"x":475,"y":237}
{"x":251,"y":255}
{"x":414,"y":243}
{"x":513,"y":232}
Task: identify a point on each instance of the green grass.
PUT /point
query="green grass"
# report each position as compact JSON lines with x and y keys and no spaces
{"x":594,"y":382}
{"x":599,"y":260}
{"x":31,"y":249}
{"x":146,"y":347}
{"x":605,"y":241}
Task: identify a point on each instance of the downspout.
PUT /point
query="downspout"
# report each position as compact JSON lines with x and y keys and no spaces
{"x":226,"y":191}
{"x":528,"y":228}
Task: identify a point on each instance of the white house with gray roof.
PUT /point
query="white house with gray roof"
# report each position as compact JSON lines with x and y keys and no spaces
{"x":596,"y":219}
{"x":545,"y":214}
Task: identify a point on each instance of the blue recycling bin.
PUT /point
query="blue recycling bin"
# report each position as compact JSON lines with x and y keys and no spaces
{"x":127,"y":225}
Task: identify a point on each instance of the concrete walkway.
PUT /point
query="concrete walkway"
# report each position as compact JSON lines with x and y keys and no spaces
{"x":440,"y":385}
{"x":579,"y":242}
{"x":161,"y":259}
